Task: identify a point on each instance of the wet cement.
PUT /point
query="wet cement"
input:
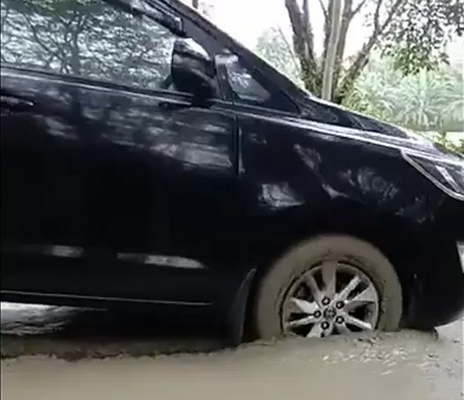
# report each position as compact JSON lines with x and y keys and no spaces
{"x":125,"y":356}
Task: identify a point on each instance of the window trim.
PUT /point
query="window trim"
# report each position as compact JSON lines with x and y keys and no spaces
{"x":91,"y":84}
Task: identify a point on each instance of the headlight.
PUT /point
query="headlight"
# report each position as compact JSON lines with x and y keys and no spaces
{"x":446,"y":172}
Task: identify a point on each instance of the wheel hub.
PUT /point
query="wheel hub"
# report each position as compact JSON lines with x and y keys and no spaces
{"x":329,"y":313}
{"x":330,"y":298}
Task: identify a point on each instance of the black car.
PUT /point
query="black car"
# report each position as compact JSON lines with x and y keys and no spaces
{"x":149,"y":159}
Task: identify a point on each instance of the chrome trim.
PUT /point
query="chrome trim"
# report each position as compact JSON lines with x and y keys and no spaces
{"x":445,"y":159}
{"x":96,"y":85}
{"x":161,"y":260}
{"x":371,"y":137}
{"x":64,"y":251}
{"x":110,"y":299}
{"x":460,"y":247}
{"x":444,"y":172}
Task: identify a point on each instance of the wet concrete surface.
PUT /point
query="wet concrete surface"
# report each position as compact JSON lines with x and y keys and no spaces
{"x":65,"y":353}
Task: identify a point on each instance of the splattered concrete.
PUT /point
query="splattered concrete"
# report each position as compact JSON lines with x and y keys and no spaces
{"x":120,"y":356}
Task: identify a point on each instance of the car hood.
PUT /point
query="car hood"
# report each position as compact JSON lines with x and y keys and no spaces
{"x":333,"y":119}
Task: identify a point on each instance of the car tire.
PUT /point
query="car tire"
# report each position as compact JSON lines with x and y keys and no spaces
{"x":276,"y":282}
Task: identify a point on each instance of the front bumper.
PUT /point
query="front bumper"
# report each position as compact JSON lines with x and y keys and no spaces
{"x":438,"y":292}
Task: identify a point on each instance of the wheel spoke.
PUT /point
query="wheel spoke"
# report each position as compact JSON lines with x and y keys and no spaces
{"x":304,"y":306}
{"x":329,"y":277}
{"x":316,"y":331}
{"x":313,"y":286}
{"x":358,"y":323}
{"x":301,"y":322}
{"x":329,"y":331}
{"x":369,"y":295}
{"x":343,"y":329}
{"x":352,"y":285}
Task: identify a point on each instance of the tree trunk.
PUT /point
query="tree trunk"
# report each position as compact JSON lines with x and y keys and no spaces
{"x":328,"y":73}
{"x":329,"y":64}
{"x":327,"y":30}
{"x":345,"y":86}
{"x":303,"y":44}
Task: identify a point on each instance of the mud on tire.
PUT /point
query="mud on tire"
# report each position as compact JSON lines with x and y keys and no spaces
{"x":368,"y":259}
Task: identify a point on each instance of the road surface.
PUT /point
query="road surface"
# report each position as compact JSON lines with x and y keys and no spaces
{"x":51,"y":353}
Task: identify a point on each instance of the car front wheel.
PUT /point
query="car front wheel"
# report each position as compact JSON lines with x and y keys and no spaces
{"x":328,"y":285}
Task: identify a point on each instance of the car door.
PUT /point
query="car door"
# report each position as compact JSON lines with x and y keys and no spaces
{"x":42,"y":175}
{"x":130,"y":189}
{"x":266,"y":189}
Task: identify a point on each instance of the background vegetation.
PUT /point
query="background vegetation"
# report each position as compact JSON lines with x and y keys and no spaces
{"x":429,"y":100}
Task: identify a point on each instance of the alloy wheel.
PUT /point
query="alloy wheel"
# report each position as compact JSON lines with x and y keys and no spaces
{"x":330,"y":298}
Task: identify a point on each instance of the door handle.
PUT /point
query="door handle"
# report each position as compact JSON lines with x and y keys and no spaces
{"x":13,"y":103}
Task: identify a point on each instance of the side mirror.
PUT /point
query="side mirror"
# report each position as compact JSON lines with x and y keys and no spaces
{"x":193,"y":71}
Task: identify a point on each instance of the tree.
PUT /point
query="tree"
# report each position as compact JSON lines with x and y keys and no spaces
{"x":205,"y":8}
{"x":273,"y":46}
{"x":413,"y":32}
{"x":430,"y":100}
{"x":332,"y":43}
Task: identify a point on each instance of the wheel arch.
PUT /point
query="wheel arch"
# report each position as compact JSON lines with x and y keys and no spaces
{"x":397,"y":238}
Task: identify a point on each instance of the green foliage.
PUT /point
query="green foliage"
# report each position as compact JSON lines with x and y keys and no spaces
{"x":413,"y":33}
{"x":419,"y":31}
{"x":443,"y":139}
{"x":425,"y":101}
{"x":273,"y":47}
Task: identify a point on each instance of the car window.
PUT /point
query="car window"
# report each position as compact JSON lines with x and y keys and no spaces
{"x":247,"y":87}
{"x":86,"y":38}
{"x":242,"y":83}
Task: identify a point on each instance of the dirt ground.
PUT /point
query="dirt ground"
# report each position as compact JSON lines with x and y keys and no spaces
{"x":68,"y":354}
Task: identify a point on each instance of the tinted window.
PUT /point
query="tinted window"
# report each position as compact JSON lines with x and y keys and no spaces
{"x":86,"y":38}
{"x":242,"y":83}
{"x":248,"y":86}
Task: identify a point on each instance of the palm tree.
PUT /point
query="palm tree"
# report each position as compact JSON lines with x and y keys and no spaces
{"x":429,"y":100}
